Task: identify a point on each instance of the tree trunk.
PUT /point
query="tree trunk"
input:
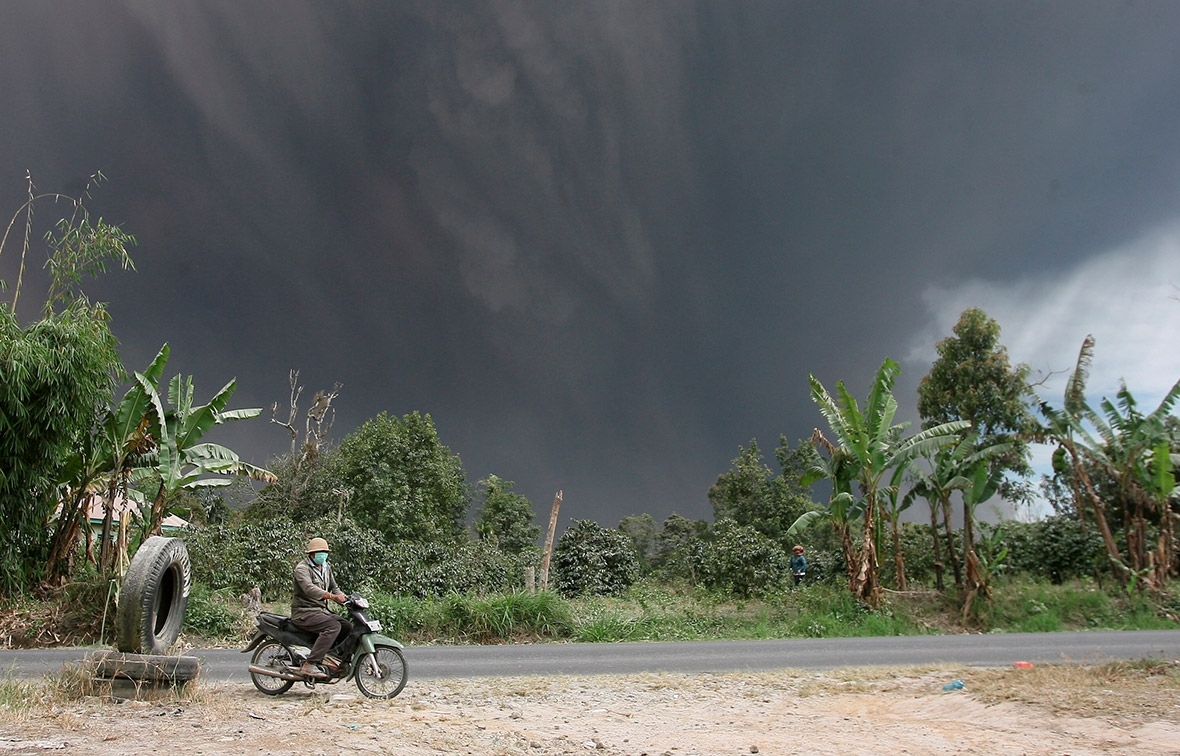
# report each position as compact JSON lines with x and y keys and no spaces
{"x":937,"y":548}
{"x":548,"y":553}
{"x":898,"y":557}
{"x":950,"y":543}
{"x":864,"y":581}
{"x":60,"y":564}
{"x":1112,"y":548}
{"x":156,"y":526}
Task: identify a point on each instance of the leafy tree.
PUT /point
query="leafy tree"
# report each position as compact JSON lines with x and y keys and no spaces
{"x":591,"y":559}
{"x":1056,"y":548}
{"x":303,"y":484}
{"x":1133,"y":451}
{"x":750,"y":494}
{"x":506,"y":519}
{"x":301,"y":490}
{"x":676,"y":544}
{"x":871,"y":443}
{"x":182,"y":461}
{"x":838,"y":466}
{"x":740,"y":560}
{"x":973,"y":380}
{"x":949,"y":469}
{"x":403,"y":481}
{"x":641,"y":531}
{"x":55,"y":377}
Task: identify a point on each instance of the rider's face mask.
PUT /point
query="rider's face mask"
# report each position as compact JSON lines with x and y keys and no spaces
{"x":319,"y":557}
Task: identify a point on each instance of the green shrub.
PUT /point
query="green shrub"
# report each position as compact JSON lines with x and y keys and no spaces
{"x":1056,"y":549}
{"x":741,"y":561}
{"x":590,"y":559}
{"x":494,"y":618}
{"x":213,"y":614}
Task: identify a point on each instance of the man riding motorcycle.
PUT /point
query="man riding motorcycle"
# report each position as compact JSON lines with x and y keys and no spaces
{"x":314,"y":585}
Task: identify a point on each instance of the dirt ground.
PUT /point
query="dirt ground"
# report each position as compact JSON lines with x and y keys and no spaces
{"x":845,"y":712}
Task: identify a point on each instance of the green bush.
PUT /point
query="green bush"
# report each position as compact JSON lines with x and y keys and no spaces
{"x":741,"y":561}
{"x":1056,"y":549}
{"x":241,"y":555}
{"x":590,"y":559}
{"x":212,"y":614}
{"x":493,"y":618}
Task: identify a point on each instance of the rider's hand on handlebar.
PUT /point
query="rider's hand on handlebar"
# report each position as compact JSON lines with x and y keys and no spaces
{"x":339,"y":598}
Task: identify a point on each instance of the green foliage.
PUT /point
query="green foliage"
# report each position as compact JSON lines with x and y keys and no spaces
{"x":677,"y":546}
{"x":1034,"y":606}
{"x":1056,"y":548}
{"x":494,"y":618}
{"x":590,"y":559}
{"x":641,"y":531}
{"x":246,"y":553}
{"x":868,"y":445}
{"x":750,"y":494}
{"x":437,"y":569}
{"x":973,"y":380}
{"x":1118,"y":463}
{"x":303,"y":489}
{"x":506,"y":519}
{"x":405,"y":484}
{"x":213,"y":614}
{"x":55,"y":377}
{"x":741,"y":561}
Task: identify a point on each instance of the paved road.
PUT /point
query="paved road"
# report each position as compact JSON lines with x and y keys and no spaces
{"x":429,"y":662}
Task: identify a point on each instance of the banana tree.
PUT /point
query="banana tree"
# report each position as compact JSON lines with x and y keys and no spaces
{"x":835,"y":465}
{"x":1126,"y":447}
{"x":984,"y":481}
{"x":182,"y":461}
{"x":875,"y":446}
{"x":130,"y":432}
{"x":947,"y":470}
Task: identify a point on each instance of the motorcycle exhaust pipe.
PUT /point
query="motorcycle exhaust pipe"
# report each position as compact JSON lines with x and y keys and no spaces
{"x":255,"y":669}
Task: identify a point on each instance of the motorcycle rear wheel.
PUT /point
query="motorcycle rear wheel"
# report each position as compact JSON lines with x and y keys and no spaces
{"x":271,"y":655}
{"x":383,"y":673}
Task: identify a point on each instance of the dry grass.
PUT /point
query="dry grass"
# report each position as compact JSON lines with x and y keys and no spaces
{"x":1122,"y":692}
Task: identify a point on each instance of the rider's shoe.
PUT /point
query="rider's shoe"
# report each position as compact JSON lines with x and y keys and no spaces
{"x":312,"y":672}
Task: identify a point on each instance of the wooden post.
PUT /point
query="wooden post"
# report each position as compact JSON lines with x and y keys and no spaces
{"x":545,"y":557}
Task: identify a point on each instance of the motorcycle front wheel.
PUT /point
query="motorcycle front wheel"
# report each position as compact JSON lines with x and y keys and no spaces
{"x":383,"y":673}
{"x":271,"y":655}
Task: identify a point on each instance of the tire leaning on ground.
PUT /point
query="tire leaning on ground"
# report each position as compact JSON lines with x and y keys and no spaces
{"x":154,"y":597}
{"x":145,"y":667}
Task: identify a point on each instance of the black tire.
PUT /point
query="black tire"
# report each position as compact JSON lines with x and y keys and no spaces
{"x":272,"y":655}
{"x":154,"y":597}
{"x":383,"y":673}
{"x":147,"y":667}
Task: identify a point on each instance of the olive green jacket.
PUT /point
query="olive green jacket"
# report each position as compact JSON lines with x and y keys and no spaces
{"x":311,"y":583}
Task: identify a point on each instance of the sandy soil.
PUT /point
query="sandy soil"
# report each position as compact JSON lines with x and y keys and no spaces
{"x":847,"y":712}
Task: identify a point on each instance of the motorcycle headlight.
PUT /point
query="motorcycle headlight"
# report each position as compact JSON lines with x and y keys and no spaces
{"x":360,"y":602}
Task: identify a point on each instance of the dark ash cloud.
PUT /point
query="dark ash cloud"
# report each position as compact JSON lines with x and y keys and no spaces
{"x":602,"y":244}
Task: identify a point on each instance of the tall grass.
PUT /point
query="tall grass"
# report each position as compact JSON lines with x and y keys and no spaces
{"x":496,"y":618}
{"x":659,"y":612}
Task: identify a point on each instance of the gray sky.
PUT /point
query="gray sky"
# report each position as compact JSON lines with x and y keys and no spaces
{"x":603,"y":244}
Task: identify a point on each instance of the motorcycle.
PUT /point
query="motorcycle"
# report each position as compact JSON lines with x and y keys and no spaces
{"x":373,"y":660}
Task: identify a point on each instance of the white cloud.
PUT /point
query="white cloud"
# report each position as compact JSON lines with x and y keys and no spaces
{"x":1128,"y":298}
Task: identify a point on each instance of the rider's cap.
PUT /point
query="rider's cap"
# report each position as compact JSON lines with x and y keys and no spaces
{"x":317,"y":544}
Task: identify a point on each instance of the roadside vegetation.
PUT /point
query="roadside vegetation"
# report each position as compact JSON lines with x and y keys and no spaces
{"x":447,"y":560}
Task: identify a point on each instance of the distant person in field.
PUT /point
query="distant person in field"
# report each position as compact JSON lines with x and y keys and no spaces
{"x":798,"y":564}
